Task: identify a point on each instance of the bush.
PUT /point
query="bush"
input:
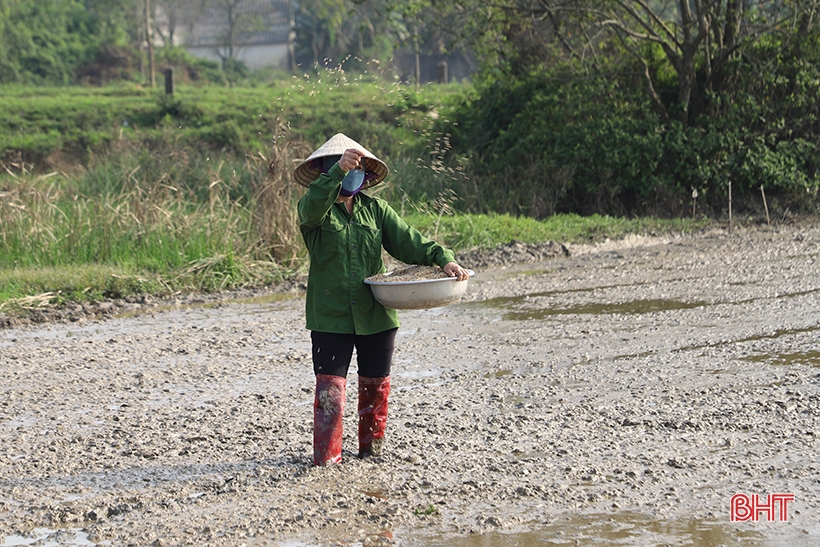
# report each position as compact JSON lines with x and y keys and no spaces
{"x":188,"y":68}
{"x":45,"y":42}
{"x":542,"y":145}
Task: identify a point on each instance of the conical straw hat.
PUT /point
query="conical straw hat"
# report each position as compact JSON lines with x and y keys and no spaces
{"x":310,"y":169}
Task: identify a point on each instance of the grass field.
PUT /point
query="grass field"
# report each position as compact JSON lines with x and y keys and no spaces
{"x":108,"y":192}
{"x":80,"y":250}
{"x":40,"y":122}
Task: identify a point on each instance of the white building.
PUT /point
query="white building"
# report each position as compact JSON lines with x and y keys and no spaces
{"x":259,"y":33}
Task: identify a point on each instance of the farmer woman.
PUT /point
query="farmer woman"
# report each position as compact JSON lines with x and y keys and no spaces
{"x":344,"y":231}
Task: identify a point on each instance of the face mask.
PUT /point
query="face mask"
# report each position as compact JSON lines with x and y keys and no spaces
{"x":352,"y":182}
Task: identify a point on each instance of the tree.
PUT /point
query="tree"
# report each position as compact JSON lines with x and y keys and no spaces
{"x":149,"y":39}
{"x":44,"y":41}
{"x":239,"y":20}
{"x":169,"y":14}
{"x":697,"y":39}
{"x":122,"y":30}
{"x":324,"y":30}
{"x":330,"y":32}
{"x":687,"y":31}
{"x":118,"y":22}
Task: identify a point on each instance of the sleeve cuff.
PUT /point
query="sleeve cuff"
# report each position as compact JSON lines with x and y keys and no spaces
{"x":445,"y":257}
{"x":336,"y":173}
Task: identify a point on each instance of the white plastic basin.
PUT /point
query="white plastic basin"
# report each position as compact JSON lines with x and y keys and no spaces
{"x":418,"y":295}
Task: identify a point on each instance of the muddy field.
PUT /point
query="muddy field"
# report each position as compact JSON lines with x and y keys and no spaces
{"x":619,"y":394}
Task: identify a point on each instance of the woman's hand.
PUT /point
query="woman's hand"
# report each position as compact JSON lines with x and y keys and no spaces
{"x":351,"y":159}
{"x":454,"y":270}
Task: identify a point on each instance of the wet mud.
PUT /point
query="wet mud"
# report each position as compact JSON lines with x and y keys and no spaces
{"x":612,"y":394}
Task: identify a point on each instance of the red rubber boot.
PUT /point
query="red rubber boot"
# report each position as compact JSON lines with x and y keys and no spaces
{"x":328,"y":409}
{"x":373,"y":394}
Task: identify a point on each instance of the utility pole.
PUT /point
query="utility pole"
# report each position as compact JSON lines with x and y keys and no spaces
{"x":416,"y":56}
{"x":150,"y":43}
{"x":291,"y":37}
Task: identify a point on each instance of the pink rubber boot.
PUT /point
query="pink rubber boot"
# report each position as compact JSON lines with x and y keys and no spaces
{"x":328,"y":409}
{"x":373,"y":394}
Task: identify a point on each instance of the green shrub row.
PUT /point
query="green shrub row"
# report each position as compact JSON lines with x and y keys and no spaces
{"x":390,"y":119}
{"x":564,"y":139}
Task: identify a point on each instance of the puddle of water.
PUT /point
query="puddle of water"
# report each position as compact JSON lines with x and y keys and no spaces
{"x":628,"y":529}
{"x":798,"y":293}
{"x":775,"y":335}
{"x":634,"y":307}
{"x":538,"y":271}
{"x":47,"y":537}
{"x":498,"y":374}
{"x":811,"y":358}
{"x":640,"y":355}
{"x":375,"y":494}
{"x":261,"y":300}
{"x":508,"y":301}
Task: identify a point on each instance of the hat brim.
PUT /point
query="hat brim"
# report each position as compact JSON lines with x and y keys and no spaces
{"x":310,"y":169}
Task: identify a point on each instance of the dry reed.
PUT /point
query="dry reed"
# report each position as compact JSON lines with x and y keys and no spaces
{"x":275,"y":217}
{"x":200,"y":223}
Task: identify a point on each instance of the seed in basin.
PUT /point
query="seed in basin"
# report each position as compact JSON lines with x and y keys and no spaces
{"x":417,"y":287}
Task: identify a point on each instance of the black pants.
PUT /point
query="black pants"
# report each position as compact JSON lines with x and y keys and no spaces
{"x":374,"y":353}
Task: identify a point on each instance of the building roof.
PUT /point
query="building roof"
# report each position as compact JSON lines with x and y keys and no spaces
{"x":259,"y":22}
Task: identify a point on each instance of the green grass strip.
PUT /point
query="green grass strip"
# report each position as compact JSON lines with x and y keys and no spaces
{"x":30,"y":285}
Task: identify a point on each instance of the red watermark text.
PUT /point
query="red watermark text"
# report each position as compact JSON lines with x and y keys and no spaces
{"x":775,"y":507}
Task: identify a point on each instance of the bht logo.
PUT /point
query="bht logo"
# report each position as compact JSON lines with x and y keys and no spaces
{"x":751,"y":507}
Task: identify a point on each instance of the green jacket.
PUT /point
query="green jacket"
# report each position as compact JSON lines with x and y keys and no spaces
{"x":345,"y":249}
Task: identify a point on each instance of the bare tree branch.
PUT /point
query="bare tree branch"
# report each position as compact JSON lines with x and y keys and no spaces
{"x":653,"y":93}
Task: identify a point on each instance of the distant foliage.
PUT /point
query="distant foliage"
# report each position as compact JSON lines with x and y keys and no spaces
{"x":546,"y":142}
{"x":45,"y":41}
{"x":559,"y":118}
{"x":545,"y":146}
